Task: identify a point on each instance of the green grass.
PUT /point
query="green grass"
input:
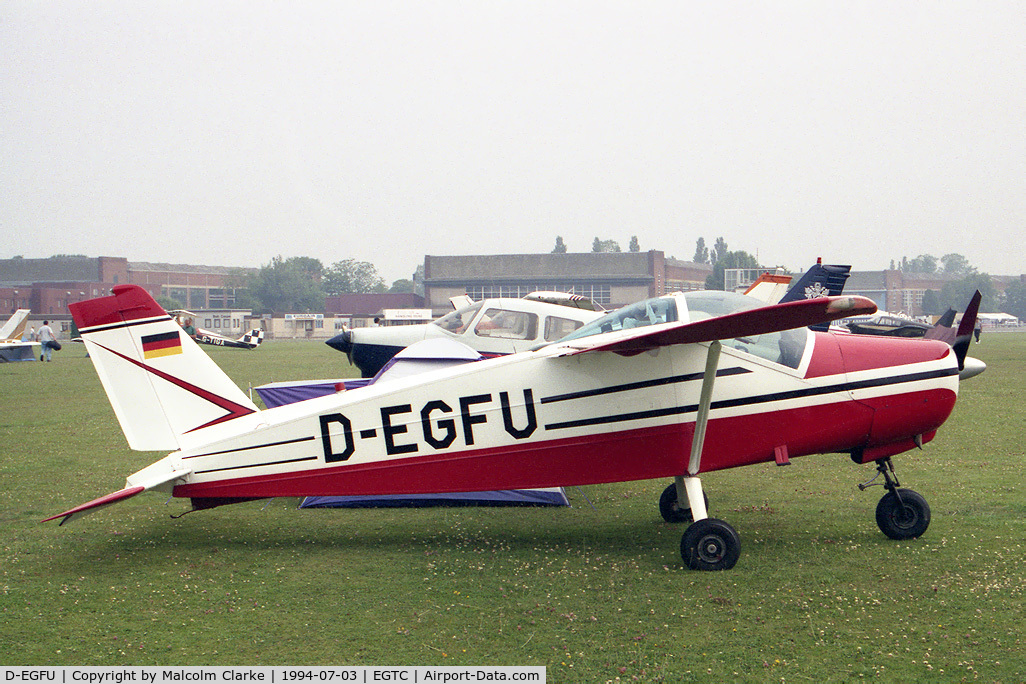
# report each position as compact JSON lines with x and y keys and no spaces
{"x":594,"y":593}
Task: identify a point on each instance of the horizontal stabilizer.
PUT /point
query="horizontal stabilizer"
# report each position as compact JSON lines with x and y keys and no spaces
{"x":154,"y":476}
{"x":96,"y":504}
{"x":749,"y":323}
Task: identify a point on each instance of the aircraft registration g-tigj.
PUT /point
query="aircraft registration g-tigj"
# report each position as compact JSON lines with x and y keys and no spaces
{"x":675,"y":387}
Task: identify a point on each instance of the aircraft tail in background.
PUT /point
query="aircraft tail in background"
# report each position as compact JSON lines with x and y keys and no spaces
{"x":959,"y":338}
{"x":253,"y":338}
{"x":15,"y":325}
{"x":819,"y":281}
{"x":161,"y":385}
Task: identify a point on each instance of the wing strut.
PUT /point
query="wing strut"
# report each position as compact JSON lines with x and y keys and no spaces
{"x":689,"y":485}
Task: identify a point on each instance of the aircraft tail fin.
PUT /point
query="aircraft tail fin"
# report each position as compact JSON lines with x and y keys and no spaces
{"x":959,"y":338}
{"x":819,"y":281}
{"x":161,"y":385}
{"x":966,"y":327}
{"x":253,"y":338}
{"x":15,"y":325}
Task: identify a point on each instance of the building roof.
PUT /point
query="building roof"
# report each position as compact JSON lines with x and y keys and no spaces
{"x":160,"y":267}
{"x":50,"y":270}
{"x":370,"y":304}
{"x":492,"y":267}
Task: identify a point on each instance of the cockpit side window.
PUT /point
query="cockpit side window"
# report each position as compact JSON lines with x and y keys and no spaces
{"x":513,"y":325}
{"x":785,"y":348}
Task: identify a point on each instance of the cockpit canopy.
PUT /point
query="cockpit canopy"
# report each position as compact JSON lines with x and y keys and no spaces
{"x":785,"y":347}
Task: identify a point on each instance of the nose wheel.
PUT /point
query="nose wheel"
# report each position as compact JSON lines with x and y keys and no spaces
{"x":901,"y":513}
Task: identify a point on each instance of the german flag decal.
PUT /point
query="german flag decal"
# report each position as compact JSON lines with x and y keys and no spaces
{"x":163,"y":344}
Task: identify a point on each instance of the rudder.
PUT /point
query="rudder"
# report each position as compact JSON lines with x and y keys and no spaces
{"x":161,"y":385}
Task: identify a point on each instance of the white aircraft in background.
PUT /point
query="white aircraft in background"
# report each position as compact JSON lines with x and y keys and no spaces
{"x":493,"y":327}
{"x":499,"y":326}
{"x":250,"y":340}
{"x":12,"y":348}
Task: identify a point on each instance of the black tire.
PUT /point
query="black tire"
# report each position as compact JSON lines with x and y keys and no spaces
{"x":710,"y":544}
{"x":670,"y":508}
{"x":905,"y":520}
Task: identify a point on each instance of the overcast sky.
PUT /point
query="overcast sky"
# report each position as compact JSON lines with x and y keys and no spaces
{"x":232,"y":132}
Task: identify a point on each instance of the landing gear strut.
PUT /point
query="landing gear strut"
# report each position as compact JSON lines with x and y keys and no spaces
{"x":672,"y":509}
{"x":708,"y":543}
{"x":901,"y":513}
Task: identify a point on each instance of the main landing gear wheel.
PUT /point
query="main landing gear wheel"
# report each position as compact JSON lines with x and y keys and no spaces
{"x":903,"y":514}
{"x":670,"y":508}
{"x":710,"y":544}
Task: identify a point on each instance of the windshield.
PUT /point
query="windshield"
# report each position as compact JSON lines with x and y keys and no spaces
{"x":457,"y":321}
{"x":648,"y":312}
{"x":785,"y":347}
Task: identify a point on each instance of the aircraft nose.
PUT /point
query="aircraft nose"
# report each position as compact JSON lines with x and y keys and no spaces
{"x":971,"y":368}
{"x":343,"y":342}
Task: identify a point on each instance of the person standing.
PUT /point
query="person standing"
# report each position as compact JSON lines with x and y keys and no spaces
{"x":47,"y":341}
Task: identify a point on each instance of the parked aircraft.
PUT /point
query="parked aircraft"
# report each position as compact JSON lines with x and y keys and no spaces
{"x":250,"y":340}
{"x":492,"y":327}
{"x":898,"y":325}
{"x":504,"y":326}
{"x":12,"y":348}
{"x":628,"y":397}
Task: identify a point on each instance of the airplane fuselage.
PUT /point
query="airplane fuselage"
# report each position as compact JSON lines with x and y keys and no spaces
{"x":539,"y":419}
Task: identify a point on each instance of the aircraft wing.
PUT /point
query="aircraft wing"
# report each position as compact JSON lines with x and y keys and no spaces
{"x":766,"y":319}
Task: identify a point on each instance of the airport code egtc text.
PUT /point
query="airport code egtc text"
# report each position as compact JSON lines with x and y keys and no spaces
{"x":440,"y":425}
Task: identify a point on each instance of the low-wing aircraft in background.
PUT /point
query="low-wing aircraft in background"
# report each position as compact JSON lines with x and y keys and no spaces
{"x":504,"y":326}
{"x":676,"y":386}
{"x":12,"y":348}
{"x":250,"y":340}
{"x":897,"y":325}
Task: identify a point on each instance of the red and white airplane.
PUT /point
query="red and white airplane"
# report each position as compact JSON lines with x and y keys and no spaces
{"x":676,"y":386}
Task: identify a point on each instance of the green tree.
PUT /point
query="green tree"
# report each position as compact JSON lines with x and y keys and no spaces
{"x":957,"y":293}
{"x":701,"y":252}
{"x":634,"y":245}
{"x":290,"y":285}
{"x":931,"y":303}
{"x":719,"y":252}
{"x":352,"y":276}
{"x":956,"y":264}
{"x":401,"y":285}
{"x":605,"y":246}
{"x":924,"y":263}
{"x":560,"y":247}
{"x":1014,"y":301}
{"x":739,"y":259}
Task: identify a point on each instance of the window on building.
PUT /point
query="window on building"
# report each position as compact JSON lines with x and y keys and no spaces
{"x":597,"y":293}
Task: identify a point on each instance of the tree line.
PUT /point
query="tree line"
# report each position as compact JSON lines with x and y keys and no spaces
{"x":300,"y":284}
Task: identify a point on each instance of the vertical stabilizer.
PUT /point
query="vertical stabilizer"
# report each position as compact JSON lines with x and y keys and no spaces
{"x":160,"y":383}
{"x":822,"y":280}
{"x":15,"y":325}
{"x":965,"y":329}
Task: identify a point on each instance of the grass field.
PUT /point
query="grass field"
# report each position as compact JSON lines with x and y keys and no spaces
{"x":595,"y":593}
